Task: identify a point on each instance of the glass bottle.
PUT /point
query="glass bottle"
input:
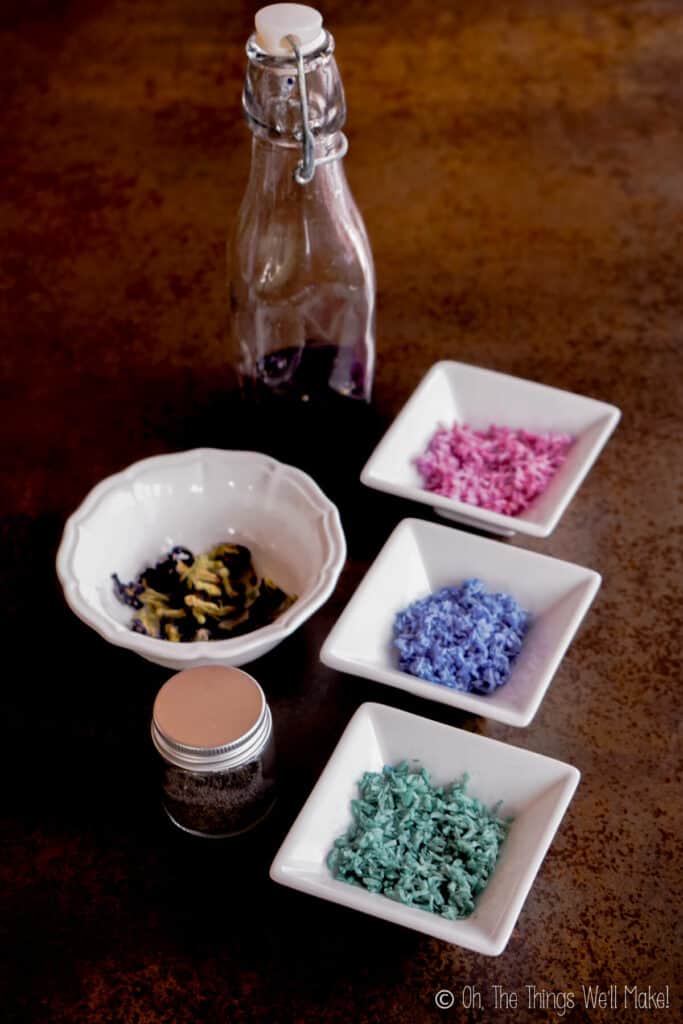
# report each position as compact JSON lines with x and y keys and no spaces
{"x":302,"y":283}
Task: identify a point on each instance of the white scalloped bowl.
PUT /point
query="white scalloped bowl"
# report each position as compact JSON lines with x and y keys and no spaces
{"x":200,"y":498}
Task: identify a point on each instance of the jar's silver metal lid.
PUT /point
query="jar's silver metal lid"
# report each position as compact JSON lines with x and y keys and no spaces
{"x":215,"y":759}
{"x":203,"y":706}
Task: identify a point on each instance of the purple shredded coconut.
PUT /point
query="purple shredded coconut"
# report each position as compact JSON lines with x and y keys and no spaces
{"x":499,"y":469}
{"x":462,"y":637}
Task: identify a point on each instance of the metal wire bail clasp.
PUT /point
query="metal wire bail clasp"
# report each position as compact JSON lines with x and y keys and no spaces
{"x":305,"y":169}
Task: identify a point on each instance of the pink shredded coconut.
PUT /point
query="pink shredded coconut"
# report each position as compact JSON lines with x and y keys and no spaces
{"x":499,"y":469}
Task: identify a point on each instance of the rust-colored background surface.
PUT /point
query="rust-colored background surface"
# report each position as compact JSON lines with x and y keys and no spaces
{"x":519,"y":168}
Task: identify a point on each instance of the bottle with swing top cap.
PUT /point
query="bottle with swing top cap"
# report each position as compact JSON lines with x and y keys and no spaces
{"x":302,"y":282}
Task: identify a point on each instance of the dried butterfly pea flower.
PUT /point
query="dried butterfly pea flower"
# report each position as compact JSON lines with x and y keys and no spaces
{"x":128,"y":593}
{"x":207,"y":597}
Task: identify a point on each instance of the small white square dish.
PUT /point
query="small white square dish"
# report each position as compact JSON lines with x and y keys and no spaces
{"x":534,"y":791}
{"x":420,"y":558}
{"x":453,"y":393}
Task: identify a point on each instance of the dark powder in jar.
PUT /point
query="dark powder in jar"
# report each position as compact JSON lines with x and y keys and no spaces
{"x":221,"y":803}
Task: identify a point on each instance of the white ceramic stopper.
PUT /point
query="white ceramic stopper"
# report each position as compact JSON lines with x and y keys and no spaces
{"x":277,"y":21}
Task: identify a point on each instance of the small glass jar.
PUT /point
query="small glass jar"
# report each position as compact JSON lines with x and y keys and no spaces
{"x":213,"y":729}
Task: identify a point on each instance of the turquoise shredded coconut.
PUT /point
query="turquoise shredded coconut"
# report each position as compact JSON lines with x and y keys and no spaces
{"x":432,"y":847}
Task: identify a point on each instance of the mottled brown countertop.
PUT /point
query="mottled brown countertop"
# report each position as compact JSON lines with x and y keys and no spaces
{"x":519,"y":168}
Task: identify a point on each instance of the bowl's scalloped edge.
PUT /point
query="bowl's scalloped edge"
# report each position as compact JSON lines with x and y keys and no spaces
{"x":218,"y":650}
